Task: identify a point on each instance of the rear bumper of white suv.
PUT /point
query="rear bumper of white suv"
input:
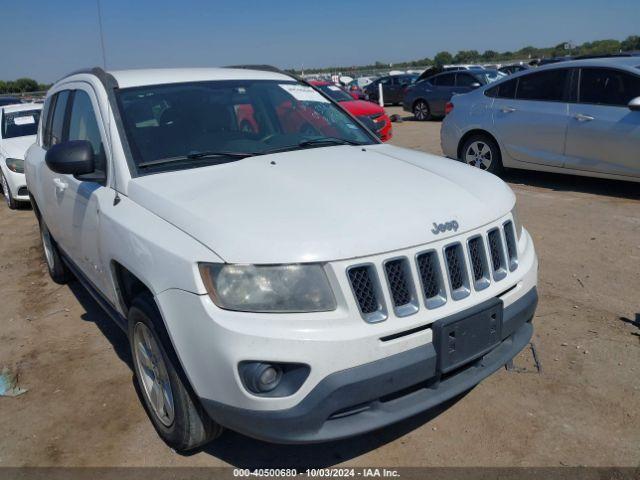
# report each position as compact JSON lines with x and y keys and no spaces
{"x":356,"y":375}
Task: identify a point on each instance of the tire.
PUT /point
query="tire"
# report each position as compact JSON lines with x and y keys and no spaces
{"x":481,"y":151}
{"x":57,"y":269}
{"x":11,"y":202}
{"x":175,"y":413}
{"x":421,"y":111}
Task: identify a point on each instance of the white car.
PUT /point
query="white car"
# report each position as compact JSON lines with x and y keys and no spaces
{"x":18,"y":126}
{"x":298,"y":281}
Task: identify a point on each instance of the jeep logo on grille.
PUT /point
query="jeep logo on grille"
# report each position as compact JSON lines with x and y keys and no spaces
{"x":443,"y":227}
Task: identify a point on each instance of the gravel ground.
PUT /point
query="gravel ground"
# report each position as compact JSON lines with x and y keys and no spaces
{"x":580,"y":409}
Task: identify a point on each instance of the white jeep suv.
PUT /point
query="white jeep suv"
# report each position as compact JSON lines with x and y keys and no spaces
{"x":297,"y":281}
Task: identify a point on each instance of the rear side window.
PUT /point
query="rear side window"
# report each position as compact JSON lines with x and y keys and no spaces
{"x":546,"y":86}
{"x":446,"y":80}
{"x":504,"y":90}
{"x":605,"y":86}
{"x":465,"y":80}
{"x":84,"y":126}
{"x":56,"y":129}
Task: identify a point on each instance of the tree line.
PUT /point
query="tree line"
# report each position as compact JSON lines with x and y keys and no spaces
{"x":22,"y":85}
{"x":598,"y":47}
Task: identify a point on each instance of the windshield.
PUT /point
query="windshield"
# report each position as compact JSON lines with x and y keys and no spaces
{"x":20,"y":124}
{"x":335,"y":93}
{"x":229,"y":120}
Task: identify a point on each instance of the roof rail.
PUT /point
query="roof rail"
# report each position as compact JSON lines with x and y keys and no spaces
{"x":266,"y":68}
{"x":106,"y":78}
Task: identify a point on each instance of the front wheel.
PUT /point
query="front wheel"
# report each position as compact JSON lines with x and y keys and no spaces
{"x":421,"y":111}
{"x":11,"y":202}
{"x":178,"y":418}
{"x":482,"y":152}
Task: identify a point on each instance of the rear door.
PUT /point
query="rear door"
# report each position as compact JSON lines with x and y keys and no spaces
{"x":393,"y":92}
{"x":445,"y":85}
{"x":50,"y":184}
{"x":465,"y":82}
{"x":530,"y":118}
{"x":603,"y":134}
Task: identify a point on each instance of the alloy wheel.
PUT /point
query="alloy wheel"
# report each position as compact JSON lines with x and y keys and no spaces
{"x":479,"y":155}
{"x":5,"y":189}
{"x":152,"y":371}
{"x":421,"y":111}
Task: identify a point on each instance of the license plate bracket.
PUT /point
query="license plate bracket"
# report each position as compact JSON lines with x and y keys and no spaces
{"x":464,"y":337}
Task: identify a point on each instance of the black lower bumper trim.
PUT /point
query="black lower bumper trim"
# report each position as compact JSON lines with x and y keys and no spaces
{"x":371,"y":396}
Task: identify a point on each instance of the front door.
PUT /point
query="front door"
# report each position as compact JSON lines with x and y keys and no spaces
{"x":604,"y":134}
{"x":83,"y":195}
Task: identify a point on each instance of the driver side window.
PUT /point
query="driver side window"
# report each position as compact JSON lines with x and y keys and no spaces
{"x":84,"y":126}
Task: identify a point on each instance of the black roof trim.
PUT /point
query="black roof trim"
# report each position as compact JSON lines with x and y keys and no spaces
{"x":105,"y":78}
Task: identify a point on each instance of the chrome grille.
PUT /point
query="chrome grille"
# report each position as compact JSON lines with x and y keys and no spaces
{"x":476,"y":254}
{"x":470,"y":264}
{"x":456,"y":267}
{"x":364,"y":289}
{"x":429,"y":275}
{"x":398,"y":282}
{"x":512,"y":251}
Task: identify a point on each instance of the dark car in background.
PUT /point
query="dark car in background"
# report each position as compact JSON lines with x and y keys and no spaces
{"x":4,"y":101}
{"x":393,"y":87}
{"x":428,"y":97}
{"x":511,"y":69}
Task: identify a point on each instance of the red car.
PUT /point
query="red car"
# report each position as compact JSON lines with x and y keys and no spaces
{"x":370,"y":113}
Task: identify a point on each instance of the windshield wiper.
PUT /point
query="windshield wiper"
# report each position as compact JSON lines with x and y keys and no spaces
{"x":197,"y":156}
{"x":316,"y":142}
{"x":327,"y":141}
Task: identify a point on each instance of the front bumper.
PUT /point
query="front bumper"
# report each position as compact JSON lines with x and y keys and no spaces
{"x":17,"y":185}
{"x":377,"y":394}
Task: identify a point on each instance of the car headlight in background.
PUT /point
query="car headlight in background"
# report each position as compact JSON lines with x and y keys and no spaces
{"x":268,"y":288}
{"x":516,"y":221}
{"x":15,"y":165}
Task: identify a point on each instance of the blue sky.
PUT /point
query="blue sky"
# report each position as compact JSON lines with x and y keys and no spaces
{"x":45,"y":39}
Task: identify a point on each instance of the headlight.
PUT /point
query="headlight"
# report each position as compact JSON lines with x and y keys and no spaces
{"x":516,"y":222}
{"x":15,"y":165}
{"x":268,"y":288}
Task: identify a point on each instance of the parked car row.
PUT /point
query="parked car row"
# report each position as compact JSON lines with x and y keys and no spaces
{"x":580,"y":117}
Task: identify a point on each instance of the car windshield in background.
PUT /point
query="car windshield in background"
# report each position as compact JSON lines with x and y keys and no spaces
{"x":187,"y":124}
{"x":335,"y":93}
{"x":20,"y":124}
{"x":492,"y":75}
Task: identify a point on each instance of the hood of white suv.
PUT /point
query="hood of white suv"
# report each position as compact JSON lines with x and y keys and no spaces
{"x":16,"y":147}
{"x":323,"y":204}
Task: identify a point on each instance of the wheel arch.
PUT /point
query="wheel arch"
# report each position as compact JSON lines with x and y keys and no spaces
{"x":470,"y":133}
{"x":128,"y":286}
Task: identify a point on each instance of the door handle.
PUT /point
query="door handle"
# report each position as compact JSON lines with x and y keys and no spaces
{"x":583,"y":118}
{"x":61,"y":186}
{"x":507,"y":109}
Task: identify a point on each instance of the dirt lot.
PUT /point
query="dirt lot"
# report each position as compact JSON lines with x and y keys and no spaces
{"x":582,"y":408}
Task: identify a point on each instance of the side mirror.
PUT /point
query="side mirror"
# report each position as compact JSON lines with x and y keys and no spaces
{"x":72,"y":158}
{"x":634,"y":104}
{"x":475,"y":85}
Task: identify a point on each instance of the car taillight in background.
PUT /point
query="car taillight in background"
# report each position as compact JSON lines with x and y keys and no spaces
{"x":447,"y":108}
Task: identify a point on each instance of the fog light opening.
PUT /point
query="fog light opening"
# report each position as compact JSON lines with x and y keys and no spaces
{"x":264,"y":377}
